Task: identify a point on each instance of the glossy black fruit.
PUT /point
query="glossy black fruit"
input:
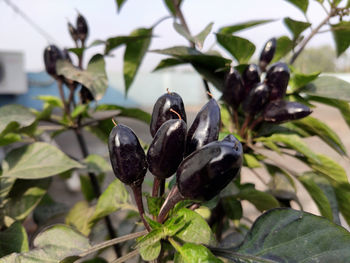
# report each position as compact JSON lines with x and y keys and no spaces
{"x":73,"y":32}
{"x":167,"y":148}
{"x":204,"y":173}
{"x":205,"y":128}
{"x":161,"y":110}
{"x":257,"y":98}
{"x":127,"y":157}
{"x":267,"y":53}
{"x":251,"y":77}
{"x":233,"y":90}
{"x":85,"y":95}
{"x":82,"y":28}
{"x":51,"y":55}
{"x":280,"y":111}
{"x":277,"y":77}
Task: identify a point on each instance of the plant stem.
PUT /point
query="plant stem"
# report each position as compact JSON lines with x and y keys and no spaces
{"x":162,"y":187}
{"x":172,"y":199}
{"x":126,"y":257}
{"x":156,"y":184}
{"x":245,"y":124}
{"x":63,"y":99}
{"x":112,"y":242}
{"x":81,"y":56}
{"x":256,"y":122}
{"x":137,"y":191}
{"x":96,"y":187}
{"x":312,"y":34}
{"x":180,"y":15}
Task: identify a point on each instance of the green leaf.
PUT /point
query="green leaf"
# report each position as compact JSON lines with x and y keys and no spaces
{"x":295,"y":27}
{"x":261,"y":200}
{"x":180,"y":29}
{"x":154,"y":204}
{"x":196,"y":229}
{"x":311,"y":182}
{"x":13,"y":239}
{"x":283,"y":46}
{"x":240,"y":48}
{"x":134,"y":113}
{"x":287,"y":235}
{"x":48,"y":209}
{"x":75,"y":218}
{"x":342,"y":191}
{"x":196,"y":253}
{"x":250,"y":161}
{"x":342,"y":106}
{"x":24,"y":196}
{"x":15,"y":116}
{"x":170,"y":5}
{"x":37,"y":160}
{"x":5,"y":187}
{"x":80,"y":110}
{"x":120,"y":4}
{"x":52,"y":245}
{"x":245,"y":25}
{"x":301,"y":4}
{"x":330,"y":168}
{"x":115,"y":42}
{"x":329,"y":87}
{"x":51,"y":100}
{"x":201,"y":36}
{"x":299,"y":80}
{"x":94,"y":77}
{"x":316,"y":127}
{"x":232,"y":207}
{"x":115,"y":197}
{"x":168,"y":62}
{"x":133,"y":55}
{"x":97,"y":164}
{"x":151,"y":252}
{"x":206,"y":65}
{"x":293,"y":142}
{"x":9,"y":138}
{"x":341,"y":36}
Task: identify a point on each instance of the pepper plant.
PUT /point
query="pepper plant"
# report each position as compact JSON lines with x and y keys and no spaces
{"x":197,"y":214}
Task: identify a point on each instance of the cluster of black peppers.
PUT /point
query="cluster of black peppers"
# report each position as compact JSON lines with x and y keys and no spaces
{"x":52,"y":54}
{"x":262,"y":100}
{"x":203,"y":165}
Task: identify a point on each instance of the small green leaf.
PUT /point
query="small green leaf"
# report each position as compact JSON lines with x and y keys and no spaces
{"x":341,"y":35}
{"x":170,"y":5}
{"x":133,"y":55}
{"x":112,"y":199}
{"x":151,"y":252}
{"x":120,"y":4}
{"x":250,"y":161}
{"x":261,"y":200}
{"x":97,"y":164}
{"x":311,"y":181}
{"x":94,"y":77}
{"x":342,"y":191}
{"x":342,"y":106}
{"x":126,"y":112}
{"x":301,"y":4}
{"x":52,"y":245}
{"x":37,"y":160}
{"x":292,"y":141}
{"x":15,"y":116}
{"x":299,"y":80}
{"x":51,"y":100}
{"x":232,"y":207}
{"x":196,"y":229}
{"x":240,"y":48}
{"x":9,"y":138}
{"x":316,"y":127}
{"x":154,"y":204}
{"x":200,"y":38}
{"x":151,"y":238}
{"x":180,"y":29}
{"x":115,"y":42}
{"x":169,"y":62}
{"x":238,"y":27}
{"x":24,"y":196}
{"x":13,"y":239}
{"x":80,"y":110}
{"x":196,"y":253}
{"x":295,"y":27}
{"x":75,"y":218}
{"x":283,"y":46}
{"x":329,"y":87}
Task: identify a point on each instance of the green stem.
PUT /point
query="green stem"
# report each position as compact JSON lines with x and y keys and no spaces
{"x":126,"y":257}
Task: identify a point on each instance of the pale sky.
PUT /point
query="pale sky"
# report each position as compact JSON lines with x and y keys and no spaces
{"x":17,"y":35}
